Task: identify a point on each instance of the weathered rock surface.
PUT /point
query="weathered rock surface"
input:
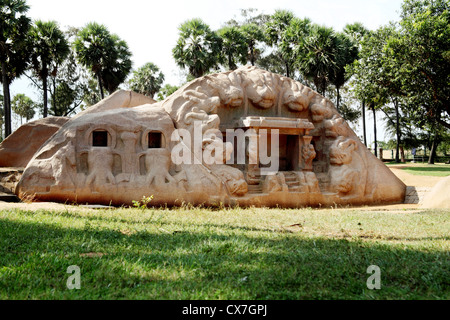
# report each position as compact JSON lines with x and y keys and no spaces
{"x":117,"y":154}
{"x":117,"y":100}
{"x":9,"y":177}
{"x":22,"y":144}
{"x":439,"y":196}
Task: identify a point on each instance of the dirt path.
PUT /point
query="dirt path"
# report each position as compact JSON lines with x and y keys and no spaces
{"x":413,"y":180}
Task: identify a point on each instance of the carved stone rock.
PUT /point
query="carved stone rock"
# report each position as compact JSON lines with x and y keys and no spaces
{"x":22,"y":144}
{"x":247,"y":137}
{"x":438,"y":197}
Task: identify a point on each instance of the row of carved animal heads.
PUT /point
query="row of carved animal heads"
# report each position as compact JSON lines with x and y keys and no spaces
{"x":261,"y":87}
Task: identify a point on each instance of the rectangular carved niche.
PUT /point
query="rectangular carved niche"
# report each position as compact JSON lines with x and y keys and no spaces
{"x":154,"y":140}
{"x":99,"y":138}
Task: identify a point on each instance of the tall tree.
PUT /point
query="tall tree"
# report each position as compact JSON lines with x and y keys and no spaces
{"x":316,"y":56}
{"x":63,"y":102}
{"x":234,"y":46}
{"x":347,"y":53}
{"x":252,"y":25}
{"x":147,"y":80}
{"x":421,"y":54}
{"x":23,"y":106}
{"x":254,"y":35}
{"x":275,"y":30}
{"x":370,"y":73}
{"x":14,"y":49}
{"x":50,"y":48}
{"x":104,"y":54}
{"x":70,"y":85}
{"x":356,"y":31}
{"x":198,"y":48}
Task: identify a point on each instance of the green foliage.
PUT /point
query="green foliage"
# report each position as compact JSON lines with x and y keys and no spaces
{"x":254,"y":35}
{"x":252,"y":27}
{"x":317,"y":56}
{"x":421,"y":55}
{"x":50,"y":48}
{"x":278,"y":36}
{"x":147,"y":80}
{"x":23,"y":106}
{"x":143,"y":203}
{"x":14,"y":45}
{"x":198,"y":48}
{"x":91,"y":93}
{"x":356,"y":31}
{"x":349,"y":113}
{"x":166,"y":91}
{"x":69,"y":86}
{"x":234,"y":46}
{"x":277,"y":25}
{"x":14,"y":48}
{"x":347,"y":53}
{"x":64,"y":97}
{"x":104,"y":54}
{"x":375,"y":78}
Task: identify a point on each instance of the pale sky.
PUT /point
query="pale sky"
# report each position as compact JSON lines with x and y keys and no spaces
{"x":151,"y":27}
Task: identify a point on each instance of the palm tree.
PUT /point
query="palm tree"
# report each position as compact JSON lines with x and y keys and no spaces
{"x":275,"y":30}
{"x":234,"y":46}
{"x":198,"y":48}
{"x":23,"y":106}
{"x":118,"y":65}
{"x":316,"y":56}
{"x":50,"y":48}
{"x":104,"y":54}
{"x":347,"y":53}
{"x":357,"y":32}
{"x":147,"y":80}
{"x":14,"y":49}
{"x":252,"y":34}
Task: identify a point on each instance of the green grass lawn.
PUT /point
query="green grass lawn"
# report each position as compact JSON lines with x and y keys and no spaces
{"x":437,"y":170}
{"x":224,"y":254}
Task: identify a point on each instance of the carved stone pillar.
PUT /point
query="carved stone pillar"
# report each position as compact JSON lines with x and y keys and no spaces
{"x":253,"y":170}
{"x":307,"y":153}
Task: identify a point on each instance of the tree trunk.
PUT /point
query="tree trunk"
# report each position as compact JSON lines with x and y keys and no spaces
{"x":53,"y":96}
{"x":252,"y":55}
{"x":364,"y":122}
{"x":44,"y":85}
{"x":372,"y":106}
{"x":6,"y":101}
{"x":231,"y":64}
{"x":402,"y":153}
{"x":288,"y":70}
{"x":397,"y":116}
{"x":433,"y":149}
{"x":100,"y":85}
{"x":338,"y":99}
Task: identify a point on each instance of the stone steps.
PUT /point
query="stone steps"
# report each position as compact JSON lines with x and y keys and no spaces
{"x":292,"y":181}
{"x":8,"y":197}
{"x":415,"y":195}
{"x":254,"y":188}
{"x":9,"y":177}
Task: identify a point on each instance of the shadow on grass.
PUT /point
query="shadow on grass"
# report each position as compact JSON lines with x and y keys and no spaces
{"x":34,"y":258}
